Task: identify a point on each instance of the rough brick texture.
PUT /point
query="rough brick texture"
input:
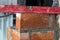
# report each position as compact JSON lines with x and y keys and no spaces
{"x":36,"y":20}
{"x":42,"y":36}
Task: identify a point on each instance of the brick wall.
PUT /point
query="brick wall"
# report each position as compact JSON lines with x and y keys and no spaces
{"x":36,"y":20}
{"x":49,"y":35}
{"x":42,"y":36}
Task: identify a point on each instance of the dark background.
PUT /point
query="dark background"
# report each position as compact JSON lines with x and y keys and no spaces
{"x":35,"y":2}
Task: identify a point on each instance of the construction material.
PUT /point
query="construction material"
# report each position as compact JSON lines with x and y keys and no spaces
{"x":15,"y":35}
{"x":42,"y":36}
{"x":24,"y":36}
{"x":18,"y":21}
{"x":30,"y":20}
